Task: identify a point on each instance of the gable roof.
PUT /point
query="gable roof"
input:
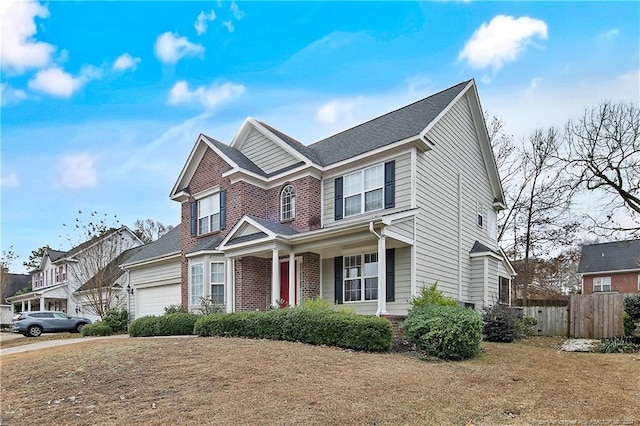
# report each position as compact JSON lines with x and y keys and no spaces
{"x":13,"y":284}
{"x":294,"y":143}
{"x":168,"y":244}
{"x":236,"y":156}
{"x":609,"y":257}
{"x":109,"y":274}
{"x":394,"y":126}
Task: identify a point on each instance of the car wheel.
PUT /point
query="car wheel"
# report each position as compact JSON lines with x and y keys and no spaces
{"x":79,"y":327}
{"x":34,"y":331}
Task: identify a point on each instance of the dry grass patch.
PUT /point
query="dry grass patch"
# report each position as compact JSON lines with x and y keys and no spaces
{"x":21,"y":341}
{"x":238,"y":381}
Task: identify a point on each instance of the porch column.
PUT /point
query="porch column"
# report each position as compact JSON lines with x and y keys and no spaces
{"x":229,"y":285}
{"x":29,"y":305}
{"x":42,"y":303}
{"x":22,"y":306}
{"x":382,"y":276}
{"x":292,"y":279}
{"x":275,"y":277}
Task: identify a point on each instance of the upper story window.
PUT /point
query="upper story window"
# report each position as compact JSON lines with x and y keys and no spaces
{"x":363,"y":190}
{"x":602,"y":284}
{"x":209,"y":214}
{"x":288,"y":203}
{"x":480,"y":215}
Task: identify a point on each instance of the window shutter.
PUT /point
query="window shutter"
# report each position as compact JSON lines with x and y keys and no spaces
{"x":223,"y":209}
{"x":337,"y":270}
{"x":194,"y":219}
{"x":391,"y":275}
{"x":337,"y":205}
{"x":389,"y":185}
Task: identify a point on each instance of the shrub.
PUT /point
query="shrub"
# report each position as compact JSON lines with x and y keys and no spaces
{"x":178,"y":324}
{"x":502,"y":323}
{"x":174,"y":309}
{"x":527,"y":326}
{"x":316,"y":304}
{"x":431,"y":296}
{"x":631,"y":316}
{"x":616,"y":345}
{"x":446,"y":332}
{"x":116,"y":319}
{"x":210,"y":305}
{"x":143,"y":327}
{"x":313,"y":324}
{"x":98,"y":328}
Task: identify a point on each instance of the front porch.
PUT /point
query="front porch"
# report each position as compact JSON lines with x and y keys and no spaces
{"x":39,"y":301}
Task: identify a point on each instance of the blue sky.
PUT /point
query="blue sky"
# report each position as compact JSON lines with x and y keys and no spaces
{"x":102,"y":101}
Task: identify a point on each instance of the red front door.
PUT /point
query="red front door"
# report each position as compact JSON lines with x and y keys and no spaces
{"x":284,"y":284}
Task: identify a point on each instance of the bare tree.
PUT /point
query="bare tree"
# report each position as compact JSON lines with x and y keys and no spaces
{"x":603,"y":154}
{"x":35,"y":257}
{"x":5,"y":262}
{"x":95,"y":262}
{"x":542,"y":218}
{"x":148,"y":230}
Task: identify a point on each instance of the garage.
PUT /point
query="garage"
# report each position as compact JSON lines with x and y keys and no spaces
{"x":153,"y":300}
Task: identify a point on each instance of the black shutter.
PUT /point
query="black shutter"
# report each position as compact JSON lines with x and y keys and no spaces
{"x":223,"y":209}
{"x":337,"y":204}
{"x":194,"y":218}
{"x":337,"y":270}
{"x":389,"y":185}
{"x":391,"y":275}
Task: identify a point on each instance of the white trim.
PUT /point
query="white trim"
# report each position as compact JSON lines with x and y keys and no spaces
{"x":485,"y":253}
{"x":398,"y":237}
{"x":204,"y":194}
{"x":414,"y":178}
{"x":506,"y":262}
{"x":423,"y":133}
{"x":245,"y":219}
{"x":357,"y":163}
{"x":152,"y":260}
{"x":275,"y":277}
{"x":615,"y":271}
{"x":190,"y":280}
{"x":322,"y":204}
{"x":388,"y":219}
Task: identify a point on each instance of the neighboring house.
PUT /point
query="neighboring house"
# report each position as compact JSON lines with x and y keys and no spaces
{"x":364,"y":218}
{"x":154,"y":274}
{"x":66,"y":281}
{"x":12,"y":283}
{"x":610,"y":267}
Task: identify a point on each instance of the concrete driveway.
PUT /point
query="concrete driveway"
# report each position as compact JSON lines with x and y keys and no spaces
{"x":5,"y":336}
{"x":53,"y":343}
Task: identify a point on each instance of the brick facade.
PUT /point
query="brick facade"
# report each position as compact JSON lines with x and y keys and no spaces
{"x":311,"y":271}
{"x":307,"y":213}
{"x":622,"y":283}
{"x":253,"y":284}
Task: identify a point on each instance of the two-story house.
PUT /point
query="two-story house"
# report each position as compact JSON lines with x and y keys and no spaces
{"x":363,"y":218}
{"x":613,"y":266}
{"x":66,"y":281}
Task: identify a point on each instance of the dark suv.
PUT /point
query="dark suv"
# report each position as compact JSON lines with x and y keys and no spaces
{"x":33,"y":324}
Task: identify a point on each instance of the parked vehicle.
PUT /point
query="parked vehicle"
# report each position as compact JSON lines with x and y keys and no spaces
{"x":34,"y":323}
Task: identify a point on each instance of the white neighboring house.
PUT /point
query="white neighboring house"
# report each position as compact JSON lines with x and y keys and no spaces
{"x":66,"y":281}
{"x":13,"y":283}
{"x":154,"y":274}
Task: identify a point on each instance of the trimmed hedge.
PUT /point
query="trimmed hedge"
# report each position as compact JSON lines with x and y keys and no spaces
{"x":307,"y":325}
{"x":116,"y":319}
{"x":446,"y":332}
{"x":167,"y":325}
{"x":97,"y":329}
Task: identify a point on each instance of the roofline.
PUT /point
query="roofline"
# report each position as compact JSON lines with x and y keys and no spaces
{"x":613,"y":271}
{"x":245,"y":219}
{"x":150,"y":260}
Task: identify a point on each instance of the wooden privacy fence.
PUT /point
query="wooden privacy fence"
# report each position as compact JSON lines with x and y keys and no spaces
{"x":588,"y":316}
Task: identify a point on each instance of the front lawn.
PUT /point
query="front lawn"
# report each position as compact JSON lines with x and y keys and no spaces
{"x":238,"y":381}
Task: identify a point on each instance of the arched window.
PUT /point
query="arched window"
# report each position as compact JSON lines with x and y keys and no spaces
{"x":288,"y":203}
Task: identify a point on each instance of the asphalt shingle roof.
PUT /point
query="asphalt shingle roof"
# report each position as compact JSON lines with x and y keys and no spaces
{"x":206,"y":243}
{"x":167,"y":244}
{"x":109,"y":274}
{"x":294,"y":143}
{"x":236,"y":156}
{"x":14,"y":283}
{"x":478,"y":247}
{"x":614,"y":256}
{"x":275,"y":227}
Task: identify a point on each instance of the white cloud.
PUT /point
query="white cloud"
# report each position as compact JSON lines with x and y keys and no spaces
{"x":125,"y":62}
{"x":10,"y":181}
{"x":334,"y":111}
{"x":229,"y":26}
{"x":56,"y":82}
{"x":170,"y":48}
{"x":201,"y":22}
{"x":235,"y":11}
{"x":209,"y":97}
{"x":9,"y":95}
{"x":501,"y":40}
{"x":20,"y":51}
{"x":78,"y":171}
{"x":609,"y":35}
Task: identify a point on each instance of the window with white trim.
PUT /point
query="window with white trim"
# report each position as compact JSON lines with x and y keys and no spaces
{"x":217,"y":282}
{"x":288,"y":203}
{"x":602,"y":284}
{"x":209,"y":214}
{"x":360,"y":277}
{"x":196,"y":284}
{"x":364,"y":190}
{"x":480,"y":215}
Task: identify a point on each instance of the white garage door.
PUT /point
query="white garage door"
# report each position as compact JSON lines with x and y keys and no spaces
{"x":153,"y":300}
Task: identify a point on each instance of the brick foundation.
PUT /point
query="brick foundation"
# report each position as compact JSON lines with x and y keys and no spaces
{"x":395,"y":321}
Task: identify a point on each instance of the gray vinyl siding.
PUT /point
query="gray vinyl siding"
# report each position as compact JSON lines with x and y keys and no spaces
{"x":402,"y":190}
{"x":456,"y":150}
{"x":476,"y":289}
{"x":402,"y":286}
{"x":492,"y":285}
{"x":404,"y":228}
{"x":160,"y":274}
{"x":266,"y":154}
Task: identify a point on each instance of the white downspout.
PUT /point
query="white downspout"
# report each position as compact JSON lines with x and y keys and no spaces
{"x":382,"y":272}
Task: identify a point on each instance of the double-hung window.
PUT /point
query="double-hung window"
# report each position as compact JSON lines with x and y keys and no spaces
{"x":209,"y":214}
{"x":360,"y":277}
{"x":217,"y":282}
{"x":196,"y":285}
{"x":602,"y":284}
{"x":364,"y":190}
